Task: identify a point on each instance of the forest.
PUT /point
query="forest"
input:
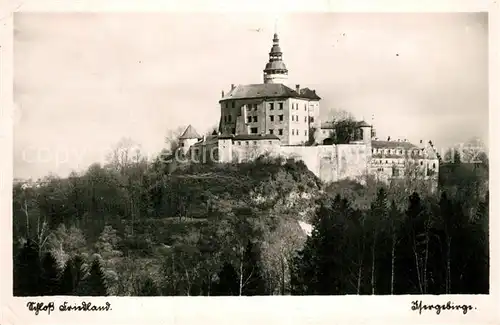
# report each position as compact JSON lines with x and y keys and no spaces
{"x":147,"y":227}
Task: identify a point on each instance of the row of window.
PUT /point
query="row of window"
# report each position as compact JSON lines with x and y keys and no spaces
{"x":395,"y":151}
{"x":271,"y":106}
{"x":296,"y":132}
{"x":248,"y":142}
{"x":295,"y":106}
{"x":280,"y":131}
{"x":254,"y":119}
{"x":401,"y":162}
{"x":296,"y":118}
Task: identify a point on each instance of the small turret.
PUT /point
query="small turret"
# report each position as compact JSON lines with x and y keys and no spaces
{"x":188,"y":138}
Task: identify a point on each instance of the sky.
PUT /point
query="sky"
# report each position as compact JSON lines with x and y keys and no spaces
{"x":84,"y":81}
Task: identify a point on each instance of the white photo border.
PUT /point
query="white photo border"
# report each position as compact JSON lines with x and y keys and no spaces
{"x":243,"y":310}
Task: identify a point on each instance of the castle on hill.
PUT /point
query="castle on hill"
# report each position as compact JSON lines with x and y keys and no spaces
{"x":272,"y":118}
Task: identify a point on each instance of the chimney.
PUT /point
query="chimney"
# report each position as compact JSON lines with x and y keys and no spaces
{"x":420,"y":141}
{"x":297,"y":88}
{"x":223,"y":94}
{"x":232,"y":86}
{"x":389,"y":138}
{"x":406,"y":140}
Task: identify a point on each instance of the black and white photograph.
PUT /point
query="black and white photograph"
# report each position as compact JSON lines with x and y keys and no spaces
{"x":250,"y":154}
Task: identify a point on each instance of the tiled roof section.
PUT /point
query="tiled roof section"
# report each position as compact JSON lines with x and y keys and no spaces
{"x":267,"y":90}
{"x":256,"y":137}
{"x":190,"y":133}
{"x":329,"y":125}
{"x":308,"y":93}
{"x":393,"y":145}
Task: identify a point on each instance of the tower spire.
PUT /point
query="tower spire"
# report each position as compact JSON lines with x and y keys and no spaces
{"x":275,"y":71}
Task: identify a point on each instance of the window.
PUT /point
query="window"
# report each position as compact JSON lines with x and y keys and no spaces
{"x":227,"y":104}
{"x":229,"y":118}
{"x":254,"y":107}
{"x":249,"y":107}
{"x":233,"y":131}
{"x":270,"y":142}
{"x":280,"y":131}
{"x":293,"y":118}
{"x":434,"y":165}
{"x":305,"y":119}
{"x":253,"y":130}
{"x":271,"y":131}
{"x":281,"y":117}
{"x":232,"y":104}
{"x":305,"y":133}
{"x":293,"y":132}
{"x":395,"y":171}
{"x":296,"y":117}
{"x":271,"y":106}
{"x":305,"y":107}
{"x":421,"y":163}
{"x":255,"y":142}
{"x":246,"y":142}
{"x":312,"y":119}
{"x":280,"y":105}
{"x":239,"y":143}
{"x":249,"y":119}
{"x":271,"y":117}
{"x":225,"y":119}
{"x":255,"y":119}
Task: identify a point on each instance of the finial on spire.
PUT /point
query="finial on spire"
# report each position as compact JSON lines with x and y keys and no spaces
{"x":276,"y":26}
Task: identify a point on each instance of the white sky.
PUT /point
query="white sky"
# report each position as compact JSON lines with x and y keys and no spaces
{"x":84,"y":81}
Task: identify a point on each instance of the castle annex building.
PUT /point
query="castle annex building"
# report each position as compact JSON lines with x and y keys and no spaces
{"x":273,"y":118}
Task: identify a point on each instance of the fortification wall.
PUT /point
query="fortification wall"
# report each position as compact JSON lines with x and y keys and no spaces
{"x":308,"y":154}
{"x":352,"y":160}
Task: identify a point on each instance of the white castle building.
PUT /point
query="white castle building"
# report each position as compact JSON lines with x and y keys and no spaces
{"x":272,"y":118}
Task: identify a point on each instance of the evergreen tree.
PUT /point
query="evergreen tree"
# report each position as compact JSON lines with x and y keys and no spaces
{"x":378,"y":215}
{"x":94,"y":284}
{"x":321,"y":264}
{"x":49,"y":276}
{"x":149,"y":288}
{"x":253,"y":279}
{"x":67,"y":284}
{"x":27,"y":271}
{"x":228,"y":282}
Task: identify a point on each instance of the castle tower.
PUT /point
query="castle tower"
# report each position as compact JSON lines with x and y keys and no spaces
{"x":275,"y":71}
{"x":366,"y":130}
{"x":188,"y":138}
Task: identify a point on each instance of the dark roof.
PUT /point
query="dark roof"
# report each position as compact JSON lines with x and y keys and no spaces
{"x":308,"y":93}
{"x":363,"y":124}
{"x":393,"y":145}
{"x":329,"y":125}
{"x":250,"y":137}
{"x":275,"y":65}
{"x":189,"y":133}
{"x":268,"y":90}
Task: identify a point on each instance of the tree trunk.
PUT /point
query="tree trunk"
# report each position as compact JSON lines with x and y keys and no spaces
{"x":360,"y":268}
{"x":241,"y":277}
{"x":425,"y":262}
{"x":418,"y":268}
{"x":282,"y":276}
{"x":448,"y":266}
{"x":373,"y":265}
{"x":393,"y":259}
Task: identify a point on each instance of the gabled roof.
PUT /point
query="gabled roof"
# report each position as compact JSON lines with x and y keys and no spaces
{"x":189,"y":133}
{"x":268,"y":90}
{"x":393,"y":145}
